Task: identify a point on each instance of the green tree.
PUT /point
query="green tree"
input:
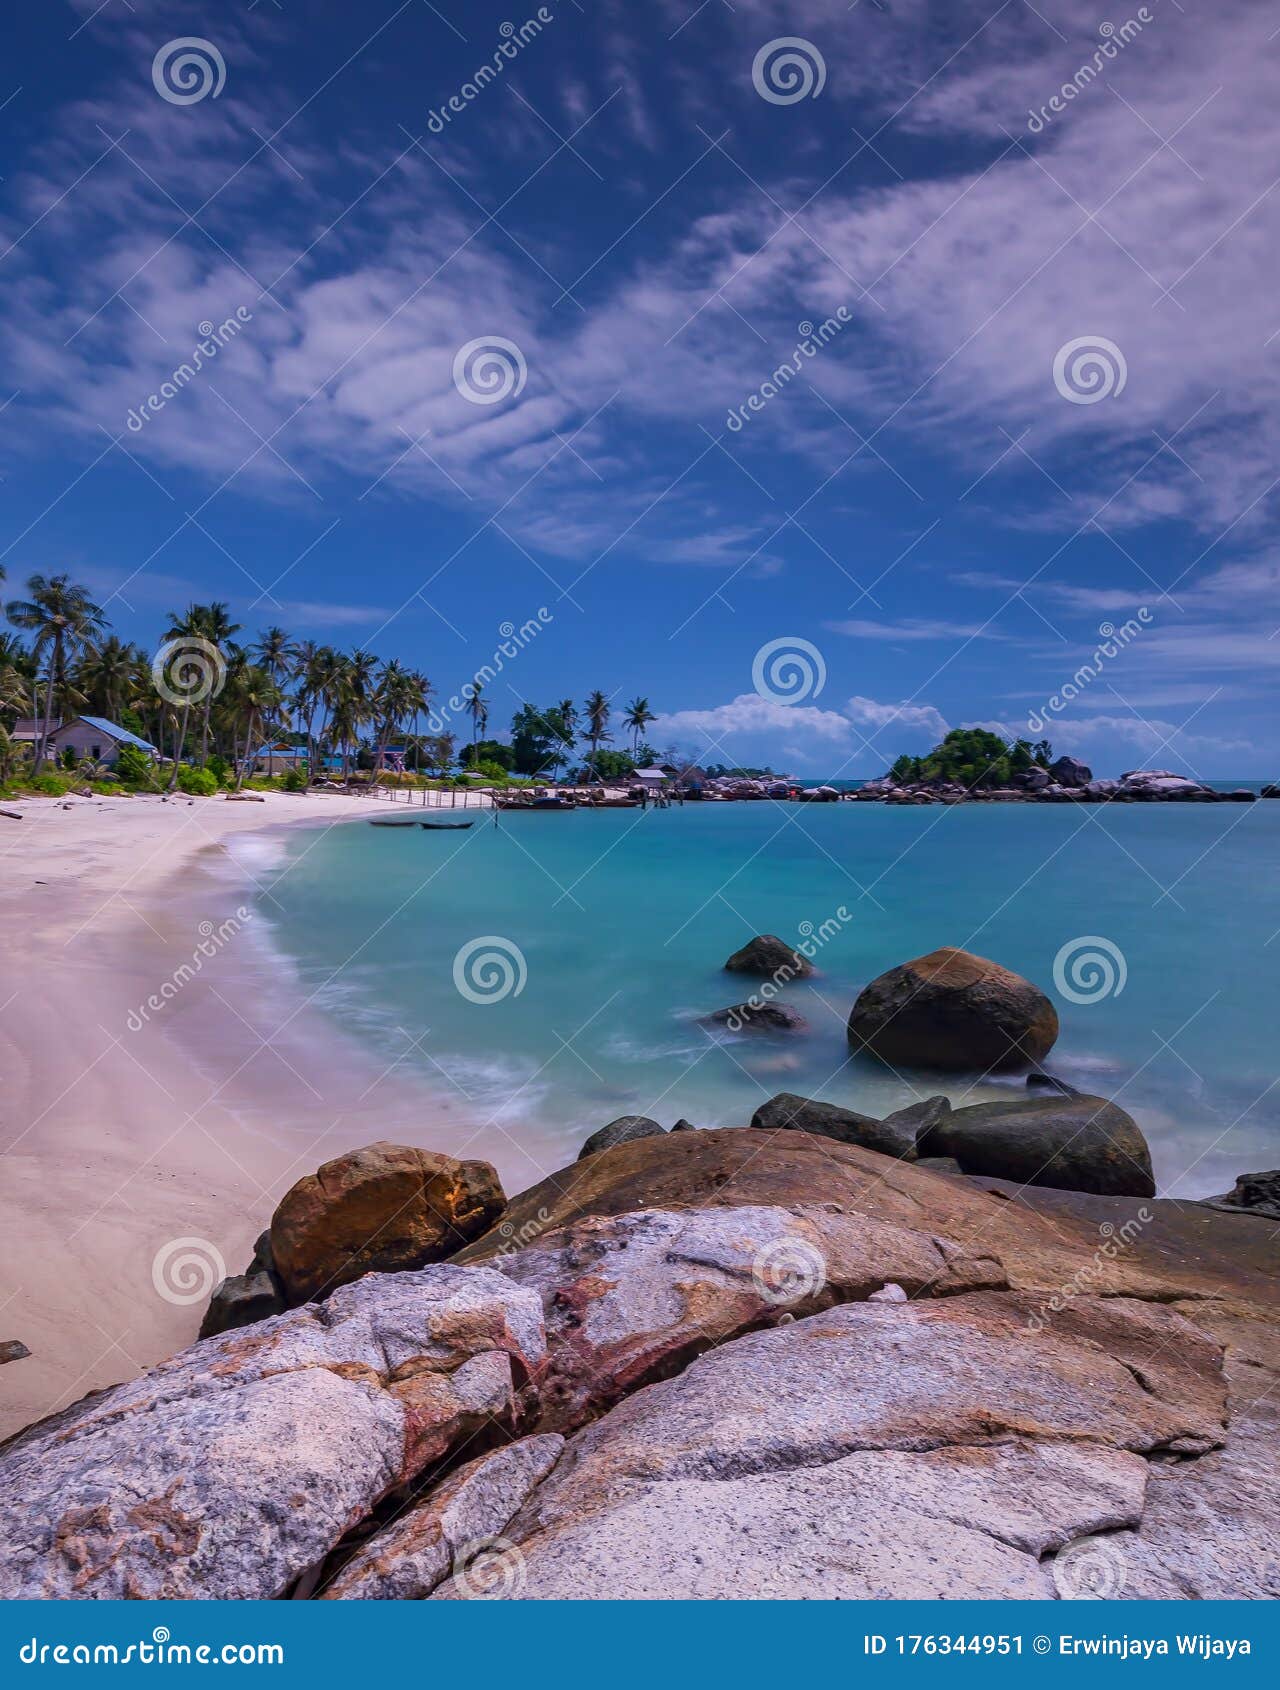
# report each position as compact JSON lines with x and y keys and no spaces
{"x":66,"y":623}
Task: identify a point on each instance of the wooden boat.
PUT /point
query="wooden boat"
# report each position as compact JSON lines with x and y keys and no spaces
{"x":536,"y":804}
{"x":392,"y":821}
{"x":445,"y":827}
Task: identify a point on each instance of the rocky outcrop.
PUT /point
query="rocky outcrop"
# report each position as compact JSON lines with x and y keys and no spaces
{"x":621,"y":1131}
{"x":449,"y":1532}
{"x":1253,"y":1194}
{"x":1067,"y":771}
{"x":951,"y":1010}
{"x":768,"y":956}
{"x":829,"y":1120}
{"x":631,"y":1298}
{"x":382,"y":1209}
{"x":234,"y":1468}
{"x":757,"y":1016}
{"x":1078,"y":1143}
{"x":875,"y":1450}
{"x":725,"y":1364}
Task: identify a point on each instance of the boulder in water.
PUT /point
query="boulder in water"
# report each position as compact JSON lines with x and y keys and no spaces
{"x":787,"y":1111}
{"x":769,"y":957}
{"x":952,"y":1010}
{"x":1078,"y":1143}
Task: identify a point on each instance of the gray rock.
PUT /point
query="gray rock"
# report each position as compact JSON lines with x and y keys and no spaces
{"x":1068,"y":772}
{"x":1253,"y":1194}
{"x":874,"y":1450}
{"x":621,"y":1131}
{"x":920,"y":1118}
{"x":233,"y":1468}
{"x":757,"y":1016}
{"x":423,"y":1546}
{"x":241,"y":1300}
{"x":683,"y":1126}
{"x":629,"y":1298}
{"x":13,"y":1349}
{"x":940,"y":1164}
{"x":1077,"y":1143}
{"x":829,"y":1120}
{"x":769,"y":957}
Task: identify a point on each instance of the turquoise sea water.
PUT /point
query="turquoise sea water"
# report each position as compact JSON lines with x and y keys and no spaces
{"x":615,"y":927}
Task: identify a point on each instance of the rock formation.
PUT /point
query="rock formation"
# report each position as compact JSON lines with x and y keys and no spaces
{"x":951,"y":1010}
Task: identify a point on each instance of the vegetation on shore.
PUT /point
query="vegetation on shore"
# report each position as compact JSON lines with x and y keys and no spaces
{"x":972,"y":757}
{"x":214,"y":703}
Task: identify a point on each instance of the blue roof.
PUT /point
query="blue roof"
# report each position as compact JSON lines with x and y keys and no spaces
{"x":121,"y":735}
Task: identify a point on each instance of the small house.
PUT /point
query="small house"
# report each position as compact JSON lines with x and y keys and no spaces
{"x":96,"y":738}
{"x":273,"y":760}
{"x":27,"y":730}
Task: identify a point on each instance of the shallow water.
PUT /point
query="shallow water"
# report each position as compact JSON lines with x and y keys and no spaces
{"x":606,"y":934}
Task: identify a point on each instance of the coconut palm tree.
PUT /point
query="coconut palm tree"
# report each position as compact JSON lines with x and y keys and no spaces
{"x":253,"y":699}
{"x":636,"y":720}
{"x":277,"y":653}
{"x":478,"y":710}
{"x":107,"y":677}
{"x":596,"y":710}
{"x":65,"y":622}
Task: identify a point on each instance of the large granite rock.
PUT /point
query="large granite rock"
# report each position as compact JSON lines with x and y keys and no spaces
{"x":829,"y":1120}
{"x":459,"y":1521}
{"x":769,"y":957}
{"x":621,"y":1131}
{"x":875,"y":1450}
{"x":234,"y":1468}
{"x":1078,"y":1143}
{"x":631,"y":1298}
{"x":384,"y":1208}
{"x":952,"y":1010}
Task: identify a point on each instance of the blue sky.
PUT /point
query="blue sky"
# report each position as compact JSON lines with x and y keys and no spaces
{"x":639,"y":211}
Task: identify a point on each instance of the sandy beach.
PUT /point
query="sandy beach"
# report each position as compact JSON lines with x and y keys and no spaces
{"x":164,"y":1086}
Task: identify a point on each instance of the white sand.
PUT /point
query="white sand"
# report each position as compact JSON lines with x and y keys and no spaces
{"x":123,"y":1132}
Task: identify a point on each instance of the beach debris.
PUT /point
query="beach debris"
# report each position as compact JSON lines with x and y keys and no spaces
{"x":11,"y":815}
{"x":767,"y":956}
{"x":1078,"y":1143}
{"x":953,"y":1010}
{"x":621,"y":1131}
{"x":382,"y":1208}
{"x":788,"y":1112}
{"x":13,"y":1349}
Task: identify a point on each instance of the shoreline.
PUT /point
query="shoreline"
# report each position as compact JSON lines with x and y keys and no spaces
{"x":129,"y":1129}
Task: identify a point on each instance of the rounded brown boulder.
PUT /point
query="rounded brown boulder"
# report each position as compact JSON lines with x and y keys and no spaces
{"x":383,"y":1208}
{"x":955,"y":1011}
